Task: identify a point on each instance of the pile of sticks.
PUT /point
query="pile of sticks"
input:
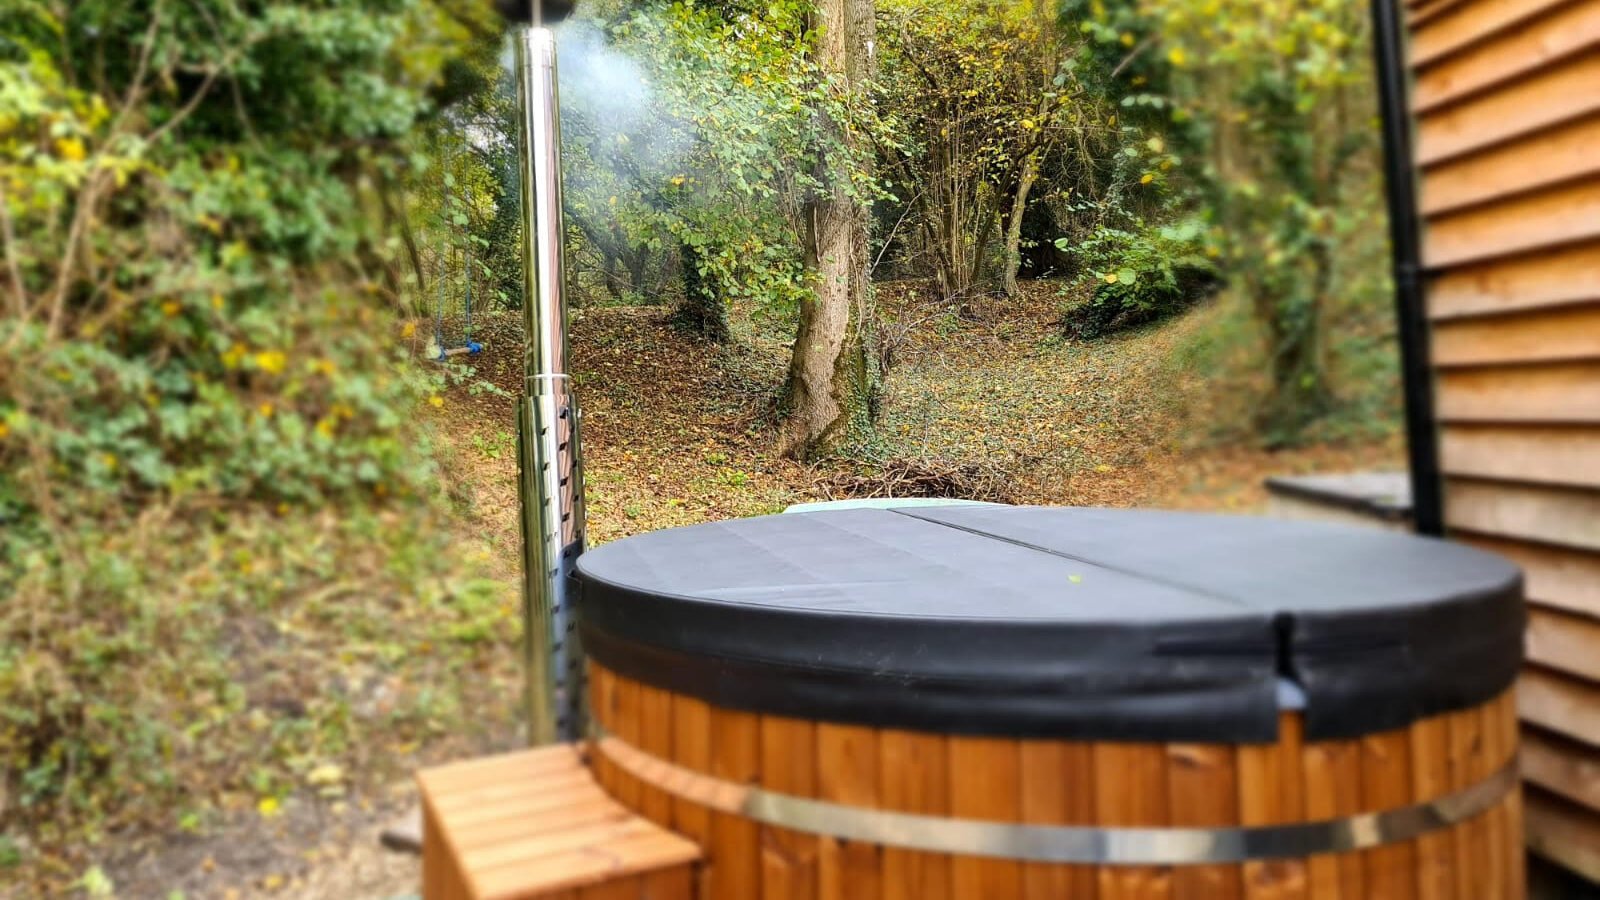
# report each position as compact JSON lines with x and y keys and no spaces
{"x":921,"y":477}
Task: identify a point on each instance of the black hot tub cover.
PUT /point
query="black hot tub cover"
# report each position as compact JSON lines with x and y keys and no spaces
{"x":1056,"y":622}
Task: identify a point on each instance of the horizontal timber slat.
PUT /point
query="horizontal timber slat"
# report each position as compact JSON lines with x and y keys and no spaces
{"x":1561,"y":704}
{"x":1554,"y":335}
{"x":1564,"y":641}
{"x":1549,"y":515}
{"x":1528,"y":453}
{"x":1562,"y":93}
{"x":1563,"y":154}
{"x":1556,"y":577}
{"x":1422,"y":13}
{"x":1512,"y":286}
{"x":1560,"y":215}
{"x":535,"y":824}
{"x":1554,"y":393}
{"x":1563,"y":766}
{"x":1469,"y":24}
{"x":1529,"y":46}
{"x":1564,"y":833}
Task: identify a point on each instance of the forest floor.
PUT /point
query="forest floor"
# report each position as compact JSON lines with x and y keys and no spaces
{"x":678,"y":430}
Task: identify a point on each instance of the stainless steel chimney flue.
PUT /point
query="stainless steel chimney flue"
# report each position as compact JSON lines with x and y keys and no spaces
{"x":549,"y":457}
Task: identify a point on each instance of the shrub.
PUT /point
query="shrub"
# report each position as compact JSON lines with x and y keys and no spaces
{"x":1140,"y":276}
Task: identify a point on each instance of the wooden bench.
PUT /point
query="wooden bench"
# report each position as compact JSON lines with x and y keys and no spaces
{"x":534,"y":824}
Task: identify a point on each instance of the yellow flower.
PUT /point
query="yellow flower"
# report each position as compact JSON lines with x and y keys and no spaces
{"x":170,"y":308}
{"x":1127,"y":39}
{"x":265,"y":410}
{"x":1147,"y":178}
{"x":109,"y":459}
{"x":436,"y":400}
{"x":409,"y":330}
{"x":271,"y":361}
{"x":1111,"y":278}
{"x":268,"y":807}
{"x":71,"y":149}
{"x":325,"y":427}
{"x":1176,"y":56}
{"x":216,"y":301}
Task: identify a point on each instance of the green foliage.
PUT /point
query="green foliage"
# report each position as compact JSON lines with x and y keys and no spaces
{"x":1282,"y":89}
{"x":703,"y":162}
{"x":980,"y":98}
{"x":198,"y":285}
{"x":1141,"y":275}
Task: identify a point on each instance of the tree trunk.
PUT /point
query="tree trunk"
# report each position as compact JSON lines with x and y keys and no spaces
{"x":701,"y":310}
{"x":1019,"y":206}
{"x":820,"y":389}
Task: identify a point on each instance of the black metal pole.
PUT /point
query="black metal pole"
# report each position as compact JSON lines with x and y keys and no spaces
{"x":1405,"y":238}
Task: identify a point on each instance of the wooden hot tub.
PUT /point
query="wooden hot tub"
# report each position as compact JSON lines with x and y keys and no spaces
{"x":998,"y":702}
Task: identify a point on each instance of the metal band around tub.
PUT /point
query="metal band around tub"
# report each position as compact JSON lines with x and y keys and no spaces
{"x":1059,"y":843}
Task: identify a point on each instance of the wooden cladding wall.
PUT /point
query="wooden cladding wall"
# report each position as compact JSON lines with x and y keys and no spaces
{"x":1507,"y":103}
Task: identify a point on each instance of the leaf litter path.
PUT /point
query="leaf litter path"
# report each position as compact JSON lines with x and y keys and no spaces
{"x":678,"y":430}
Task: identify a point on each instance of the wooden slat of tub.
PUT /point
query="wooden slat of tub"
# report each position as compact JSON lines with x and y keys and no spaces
{"x":1203,"y":791}
{"x":1533,"y":45}
{"x":655,"y":738}
{"x":603,"y":707}
{"x":788,"y":766}
{"x":847,"y":773}
{"x":1542,"y":280}
{"x":1510,"y":740}
{"x":1431,"y":777}
{"x":985,"y":783}
{"x":1566,"y":214}
{"x":1332,"y":774}
{"x":1386,"y":784}
{"x":914,"y":776}
{"x":1469,"y":24}
{"x":1272,"y":792}
{"x":1057,"y":777}
{"x":1130,"y":789}
{"x":736,"y":756}
{"x":1562,"y":766}
{"x":1561,"y":93}
{"x":691,"y":748}
{"x":626,"y":728}
{"x":1500,"y":742}
{"x":1468,"y":756}
{"x":1539,"y":162}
